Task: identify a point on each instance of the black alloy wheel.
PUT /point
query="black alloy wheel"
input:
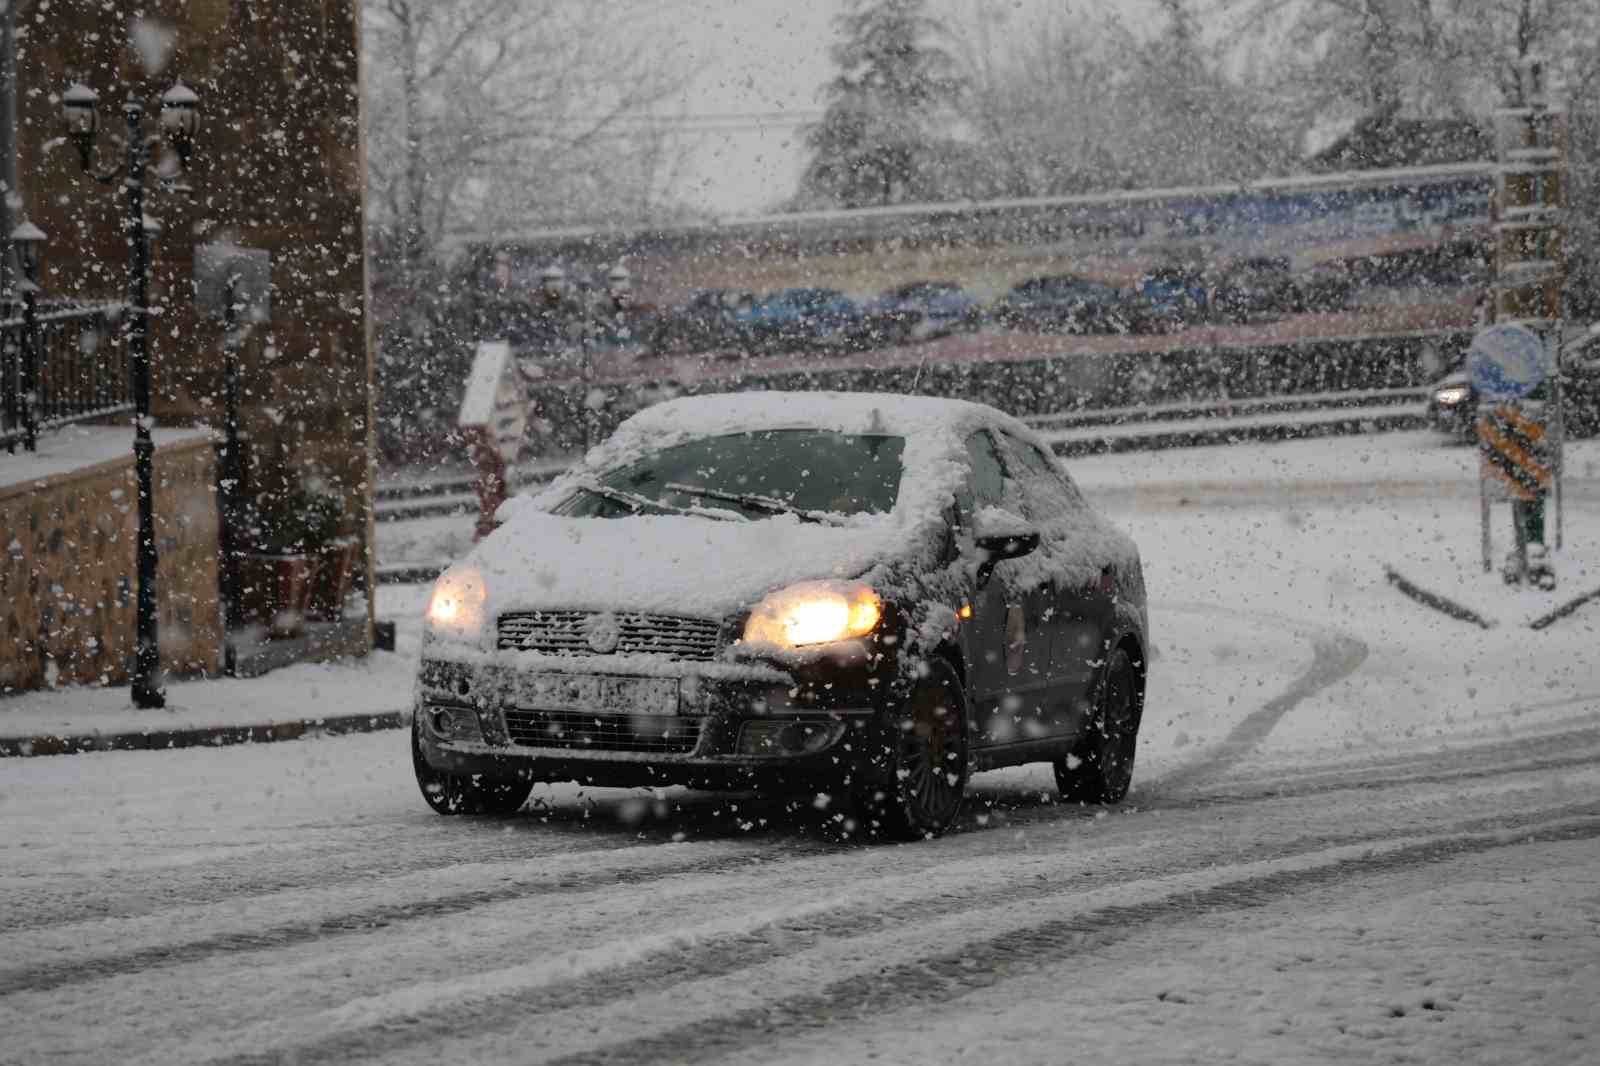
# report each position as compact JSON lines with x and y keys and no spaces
{"x":928,"y":758}
{"x":1100,"y":769}
{"x":449,"y":793}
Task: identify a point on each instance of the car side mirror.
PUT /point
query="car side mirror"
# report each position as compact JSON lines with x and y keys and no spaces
{"x":1008,"y":546}
{"x":1000,"y":535}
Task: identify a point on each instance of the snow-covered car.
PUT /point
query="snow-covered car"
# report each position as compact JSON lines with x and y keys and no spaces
{"x":810,"y":317}
{"x":1064,"y":303}
{"x":923,"y":309}
{"x":1174,"y":297}
{"x":864,"y":596}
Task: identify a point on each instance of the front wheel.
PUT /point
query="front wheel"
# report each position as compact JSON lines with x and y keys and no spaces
{"x":1100,"y":769}
{"x":449,"y":793}
{"x":927,"y":758}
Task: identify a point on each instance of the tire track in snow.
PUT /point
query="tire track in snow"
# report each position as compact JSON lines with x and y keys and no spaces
{"x":1247,"y":793}
{"x":166,"y":953}
{"x":1407,"y":772}
{"x":372,"y":854}
{"x":372,"y":1029}
{"x":948,"y":976}
{"x":1335,"y":656}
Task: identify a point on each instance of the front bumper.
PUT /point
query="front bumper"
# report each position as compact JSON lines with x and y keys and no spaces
{"x":727,"y":727}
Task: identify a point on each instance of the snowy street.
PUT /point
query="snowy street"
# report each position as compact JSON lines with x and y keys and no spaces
{"x":1358,"y":831}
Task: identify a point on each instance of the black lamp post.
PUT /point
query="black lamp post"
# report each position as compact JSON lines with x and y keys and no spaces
{"x":179,"y":118}
{"x":28,"y":239}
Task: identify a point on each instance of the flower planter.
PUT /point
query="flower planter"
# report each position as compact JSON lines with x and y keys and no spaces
{"x":330,"y":581}
{"x":276,"y":590}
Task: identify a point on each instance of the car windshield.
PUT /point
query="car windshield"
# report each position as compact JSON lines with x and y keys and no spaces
{"x":810,"y":472}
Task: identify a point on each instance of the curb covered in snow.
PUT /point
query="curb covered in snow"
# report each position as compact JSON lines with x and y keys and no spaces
{"x":1466,"y":614}
{"x":1565,"y":609}
{"x":201,"y":736}
{"x":1434,"y":600}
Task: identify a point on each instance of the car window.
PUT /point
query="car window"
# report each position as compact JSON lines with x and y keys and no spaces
{"x":807,"y":469}
{"x":986,"y":483}
{"x":1048,"y":492}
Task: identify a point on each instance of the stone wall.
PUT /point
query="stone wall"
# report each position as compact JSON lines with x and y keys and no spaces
{"x":68,"y":575}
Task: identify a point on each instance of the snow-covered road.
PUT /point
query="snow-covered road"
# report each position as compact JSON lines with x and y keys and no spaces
{"x":1358,"y":832}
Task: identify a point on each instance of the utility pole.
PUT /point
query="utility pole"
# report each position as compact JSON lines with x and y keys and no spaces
{"x":1516,"y":365}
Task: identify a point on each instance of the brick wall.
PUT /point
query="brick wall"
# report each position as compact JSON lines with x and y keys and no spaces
{"x":278,"y":165}
{"x":68,"y":574}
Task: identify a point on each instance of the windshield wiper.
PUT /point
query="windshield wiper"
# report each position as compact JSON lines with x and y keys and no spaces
{"x":769,"y":504}
{"x":641,"y":503}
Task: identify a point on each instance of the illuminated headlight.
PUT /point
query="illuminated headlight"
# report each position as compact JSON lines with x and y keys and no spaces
{"x":1452,"y":395}
{"x":456,"y":609}
{"x":814,"y":612}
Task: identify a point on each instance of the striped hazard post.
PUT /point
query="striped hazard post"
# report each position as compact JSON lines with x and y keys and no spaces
{"x":1515,"y":452}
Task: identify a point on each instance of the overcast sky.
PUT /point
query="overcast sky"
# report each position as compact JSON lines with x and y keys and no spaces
{"x":762,"y":65}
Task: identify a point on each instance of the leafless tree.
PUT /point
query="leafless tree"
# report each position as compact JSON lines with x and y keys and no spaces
{"x":485,"y":115}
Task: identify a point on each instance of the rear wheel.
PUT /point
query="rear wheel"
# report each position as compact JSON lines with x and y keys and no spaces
{"x":928,"y":758}
{"x":1100,"y":768}
{"x":450,"y":793}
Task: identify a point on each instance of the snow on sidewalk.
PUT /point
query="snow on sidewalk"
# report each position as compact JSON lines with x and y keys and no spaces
{"x":377,"y":686}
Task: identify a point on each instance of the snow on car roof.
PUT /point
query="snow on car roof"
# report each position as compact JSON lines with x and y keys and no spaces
{"x":846,"y":412}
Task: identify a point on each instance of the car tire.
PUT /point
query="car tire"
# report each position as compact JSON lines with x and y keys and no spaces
{"x":1100,"y":768}
{"x":928,"y":758}
{"x":449,"y":793}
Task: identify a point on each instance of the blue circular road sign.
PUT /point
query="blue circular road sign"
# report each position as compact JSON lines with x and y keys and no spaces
{"x":1507,"y":362}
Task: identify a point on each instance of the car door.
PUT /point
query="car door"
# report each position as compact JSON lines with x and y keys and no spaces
{"x":1003,"y":640}
{"x":1080,"y":615}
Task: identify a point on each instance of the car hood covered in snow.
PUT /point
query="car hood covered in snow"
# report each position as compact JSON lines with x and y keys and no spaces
{"x":669,"y":564}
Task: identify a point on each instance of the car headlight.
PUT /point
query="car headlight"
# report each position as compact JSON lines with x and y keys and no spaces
{"x":456,"y":609}
{"x":1452,"y":395}
{"x":814,"y":612}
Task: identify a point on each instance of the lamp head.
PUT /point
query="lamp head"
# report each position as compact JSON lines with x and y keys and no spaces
{"x":28,"y":240}
{"x":180,"y":118}
{"x":80,"y":111}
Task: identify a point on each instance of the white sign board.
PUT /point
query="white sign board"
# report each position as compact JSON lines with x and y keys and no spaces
{"x":495,"y":399}
{"x":1507,"y":362}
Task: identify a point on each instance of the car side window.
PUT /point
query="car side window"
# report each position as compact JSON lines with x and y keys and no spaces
{"x":1049,"y":492}
{"x":986,"y":485}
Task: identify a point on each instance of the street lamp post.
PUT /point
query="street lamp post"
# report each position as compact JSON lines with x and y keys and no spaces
{"x":27,"y":239}
{"x":179,"y":119}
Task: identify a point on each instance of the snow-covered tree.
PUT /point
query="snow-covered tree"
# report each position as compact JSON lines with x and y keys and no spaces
{"x":1064,"y":104}
{"x":1380,"y":62}
{"x":895,"y":97}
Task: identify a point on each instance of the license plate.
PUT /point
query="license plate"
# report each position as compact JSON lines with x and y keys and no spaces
{"x":600,"y":695}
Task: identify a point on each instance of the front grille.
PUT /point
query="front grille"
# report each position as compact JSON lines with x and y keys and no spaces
{"x":568,"y":633}
{"x":603,"y":732}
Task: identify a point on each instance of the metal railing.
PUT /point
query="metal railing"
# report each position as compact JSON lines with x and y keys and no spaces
{"x":60,"y":363}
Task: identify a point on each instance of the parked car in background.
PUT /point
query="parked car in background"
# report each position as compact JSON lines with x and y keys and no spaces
{"x":790,"y":319}
{"x":862,"y":595}
{"x":1453,"y":402}
{"x":1453,"y":406}
{"x":922,"y":309}
{"x":1173,"y":297}
{"x":707,"y":321}
{"x":1256,"y":289}
{"x":1326,"y":287}
{"x":1064,"y":303}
